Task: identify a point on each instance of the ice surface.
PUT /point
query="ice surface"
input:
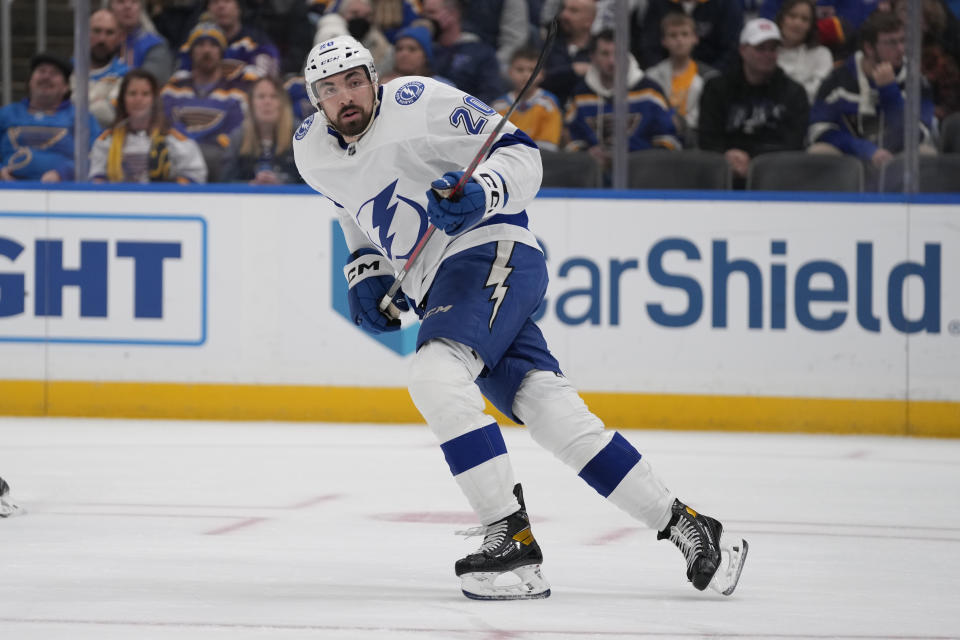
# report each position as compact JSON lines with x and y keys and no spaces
{"x":157,"y":529}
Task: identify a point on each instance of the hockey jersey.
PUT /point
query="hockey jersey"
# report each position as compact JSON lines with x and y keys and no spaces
{"x":208,"y":118}
{"x":854,"y":115}
{"x":589,"y":115}
{"x":34,"y":142}
{"x":422,"y":129}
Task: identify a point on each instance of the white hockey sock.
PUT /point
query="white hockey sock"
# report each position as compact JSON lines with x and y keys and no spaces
{"x":560,"y":421}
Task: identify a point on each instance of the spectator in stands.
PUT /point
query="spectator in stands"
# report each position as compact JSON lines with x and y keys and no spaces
{"x":503,"y":22}
{"x":107,"y":68}
{"x":753,"y":108}
{"x":837,"y":21}
{"x":718,"y":24}
{"x":248,"y":48}
{"x":355,"y":17}
{"x":461,"y":56}
{"x":681,"y":77}
{"x":391,"y":16}
{"x":37,"y":133}
{"x":140,"y":147}
{"x":413,"y":55}
{"x":801,"y":57}
{"x":589,"y":115}
{"x":539,"y":114}
{"x":173,"y":19}
{"x":851,"y":12}
{"x":296,"y":88}
{"x":859,"y":107}
{"x":203,"y":103}
{"x":569,"y":58}
{"x":143,"y":48}
{"x":263,"y":154}
{"x":288,"y":26}
{"x":939,"y":60}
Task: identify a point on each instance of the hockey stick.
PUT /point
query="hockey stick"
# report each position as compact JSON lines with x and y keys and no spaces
{"x":386,"y":303}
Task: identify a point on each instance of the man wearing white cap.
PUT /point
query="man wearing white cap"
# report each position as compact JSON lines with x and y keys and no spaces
{"x":754,"y":107}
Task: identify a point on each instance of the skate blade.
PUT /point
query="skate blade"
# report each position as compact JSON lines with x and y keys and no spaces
{"x":9,"y":510}
{"x":733,"y":555}
{"x":523,"y":583}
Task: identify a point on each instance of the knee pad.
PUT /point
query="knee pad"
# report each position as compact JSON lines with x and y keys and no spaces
{"x":442,"y":387}
{"x":558,"y":419}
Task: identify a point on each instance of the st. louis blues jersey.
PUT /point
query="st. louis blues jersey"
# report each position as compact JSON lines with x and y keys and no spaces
{"x":421,"y":130}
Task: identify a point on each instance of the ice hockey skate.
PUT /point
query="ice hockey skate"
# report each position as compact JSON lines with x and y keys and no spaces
{"x":7,"y":506}
{"x":713,"y":559}
{"x":507,"y":564}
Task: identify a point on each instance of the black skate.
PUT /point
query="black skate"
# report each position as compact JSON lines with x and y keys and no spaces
{"x":7,"y":506}
{"x":507,"y":564}
{"x":713,"y":559}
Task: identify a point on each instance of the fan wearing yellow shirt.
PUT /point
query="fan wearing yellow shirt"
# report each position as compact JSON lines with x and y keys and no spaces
{"x":539,"y":115}
{"x":681,"y":77}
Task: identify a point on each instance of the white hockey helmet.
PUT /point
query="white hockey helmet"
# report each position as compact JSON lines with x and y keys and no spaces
{"x":332,"y":56}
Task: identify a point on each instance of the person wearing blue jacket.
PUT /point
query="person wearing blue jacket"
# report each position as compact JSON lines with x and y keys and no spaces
{"x":461,"y":57}
{"x":37,"y":133}
{"x":859,"y":107}
{"x":589,"y":117}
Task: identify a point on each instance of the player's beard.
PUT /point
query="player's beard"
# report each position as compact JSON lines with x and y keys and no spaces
{"x":355,"y":126}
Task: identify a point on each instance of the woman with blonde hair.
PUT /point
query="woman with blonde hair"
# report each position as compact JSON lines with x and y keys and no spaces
{"x":263,"y":154}
{"x":140,"y":146}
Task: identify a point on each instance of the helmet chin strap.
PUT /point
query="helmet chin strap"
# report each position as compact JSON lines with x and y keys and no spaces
{"x":373,"y":114}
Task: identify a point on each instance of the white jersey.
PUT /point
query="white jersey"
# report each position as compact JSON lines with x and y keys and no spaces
{"x":422,"y":129}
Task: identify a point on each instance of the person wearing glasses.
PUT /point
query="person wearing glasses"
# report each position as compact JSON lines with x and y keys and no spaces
{"x":859,"y":106}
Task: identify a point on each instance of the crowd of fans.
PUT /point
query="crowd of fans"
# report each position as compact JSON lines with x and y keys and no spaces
{"x":212,"y":90}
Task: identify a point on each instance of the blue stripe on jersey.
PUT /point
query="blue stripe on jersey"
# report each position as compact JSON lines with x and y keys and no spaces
{"x":608,"y":468}
{"x":510,"y":139}
{"x":473,"y":448}
{"x":519,"y":219}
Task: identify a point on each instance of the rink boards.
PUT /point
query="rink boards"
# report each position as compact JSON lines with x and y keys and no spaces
{"x":667,"y":310}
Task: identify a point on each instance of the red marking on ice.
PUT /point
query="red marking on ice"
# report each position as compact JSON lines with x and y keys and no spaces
{"x":248,"y":522}
{"x":613,"y":536}
{"x":312,"y":501}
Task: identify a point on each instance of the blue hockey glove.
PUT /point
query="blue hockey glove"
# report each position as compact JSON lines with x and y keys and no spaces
{"x":455,"y":216}
{"x":369,"y":276}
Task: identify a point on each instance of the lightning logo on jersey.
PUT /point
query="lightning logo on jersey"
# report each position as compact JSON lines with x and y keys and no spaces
{"x":500,"y":270}
{"x":392,"y":217}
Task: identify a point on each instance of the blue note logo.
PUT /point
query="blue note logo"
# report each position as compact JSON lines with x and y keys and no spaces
{"x":304,"y":127}
{"x":410,"y":92}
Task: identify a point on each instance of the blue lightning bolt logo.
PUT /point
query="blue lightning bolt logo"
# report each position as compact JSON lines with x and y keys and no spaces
{"x":382,"y":216}
{"x":389,"y":215}
{"x":497,"y":278}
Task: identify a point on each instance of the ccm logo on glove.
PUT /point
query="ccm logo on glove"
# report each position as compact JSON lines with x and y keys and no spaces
{"x":369,"y":276}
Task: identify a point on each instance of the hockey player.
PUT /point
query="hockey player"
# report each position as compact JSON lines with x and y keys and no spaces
{"x":7,"y":506}
{"x":373,"y":150}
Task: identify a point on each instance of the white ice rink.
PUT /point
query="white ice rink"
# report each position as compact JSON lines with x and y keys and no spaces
{"x":142,"y":529}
